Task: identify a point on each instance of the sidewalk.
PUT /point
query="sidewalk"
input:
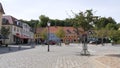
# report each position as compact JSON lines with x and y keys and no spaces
{"x":13,"y":48}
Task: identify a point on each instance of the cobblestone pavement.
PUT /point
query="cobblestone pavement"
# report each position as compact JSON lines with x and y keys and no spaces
{"x":38,"y":57}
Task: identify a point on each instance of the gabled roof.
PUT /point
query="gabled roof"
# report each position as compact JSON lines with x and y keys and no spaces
{"x":39,"y":30}
{"x":1,"y":9}
{"x":54,"y":29}
{"x":69,"y":30}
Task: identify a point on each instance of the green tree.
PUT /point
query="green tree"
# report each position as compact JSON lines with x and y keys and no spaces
{"x":31,"y":23}
{"x":103,"y":22}
{"x":118,"y":26}
{"x":84,"y":19}
{"x":111,"y":26}
{"x":60,"y":33}
{"x":5,"y":31}
{"x":115,"y":36}
{"x":43,"y":20}
{"x":44,"y":34}
{"x":101,"y":33}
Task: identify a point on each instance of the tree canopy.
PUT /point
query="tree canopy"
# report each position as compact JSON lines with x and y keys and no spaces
{"x":84,"y":19}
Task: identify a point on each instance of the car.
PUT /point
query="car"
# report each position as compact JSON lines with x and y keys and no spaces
{"x":51,"y":42}
{"x":94,"y":41}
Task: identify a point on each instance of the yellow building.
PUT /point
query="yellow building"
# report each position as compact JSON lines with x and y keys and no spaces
{"x":37,"y":36}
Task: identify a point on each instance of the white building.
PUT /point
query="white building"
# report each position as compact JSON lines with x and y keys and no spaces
{"x":27,"y":33}
{"x":19,"y":32}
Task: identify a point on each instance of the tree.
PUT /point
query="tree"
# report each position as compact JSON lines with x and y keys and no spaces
{"x":44,"y":34}
{"x":111,"y":26}
{"x":31,"y":23}
{"x":5,"y":31}
{"x":43,"y":20}
{"x":101,"y":33}
{"x":103,"y":22}
{"x":60,"y":33}
{"x":85,"y":20}
{"x":115,"y":35}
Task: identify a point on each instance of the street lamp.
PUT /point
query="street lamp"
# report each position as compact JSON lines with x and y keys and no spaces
{"x":48,"y":24}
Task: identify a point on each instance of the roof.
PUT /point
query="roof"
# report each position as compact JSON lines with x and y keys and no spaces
{"x":69,"y":30}
{"x":38,"y":30}
{"x":10,"y":19}
{"x":1,"y":9}
{"x":54,"y":29}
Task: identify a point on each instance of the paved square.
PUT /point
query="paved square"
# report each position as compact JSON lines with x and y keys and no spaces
{"x":58,"y":57}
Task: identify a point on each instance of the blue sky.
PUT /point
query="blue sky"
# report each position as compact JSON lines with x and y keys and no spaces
{"x":60,"y":9}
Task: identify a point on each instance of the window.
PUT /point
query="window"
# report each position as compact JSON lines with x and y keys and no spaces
{"x":14,"y":28}
{"x":17,"y":29}
{"x":68,"y":31}
{"x":4,"y":21}
{"x":14,"y":38}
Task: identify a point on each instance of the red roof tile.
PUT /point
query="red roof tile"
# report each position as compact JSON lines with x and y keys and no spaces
{"x":38,"y":30}
{"x":54,"y":29}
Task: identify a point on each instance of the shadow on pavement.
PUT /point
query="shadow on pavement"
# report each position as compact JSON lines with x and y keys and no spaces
{"x":114,"y":55}
{"x":4,"y":50}
{"x":79,"y":54}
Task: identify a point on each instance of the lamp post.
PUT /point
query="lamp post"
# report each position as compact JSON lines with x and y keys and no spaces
{"x":48,"y":24}
{"x":78,"y":40}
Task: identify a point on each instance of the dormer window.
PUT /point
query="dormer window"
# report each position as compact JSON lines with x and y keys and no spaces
{"x":5,"y":21}
{"x":68,"y":31}
{"x":17,"y":23}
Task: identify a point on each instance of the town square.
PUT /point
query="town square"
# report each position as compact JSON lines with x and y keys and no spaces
{"x":59,"y":34}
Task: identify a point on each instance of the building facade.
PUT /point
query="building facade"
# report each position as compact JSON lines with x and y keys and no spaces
{"x":20,"y":33}
{"x":1,"y":14}
{"x":70,"y":34}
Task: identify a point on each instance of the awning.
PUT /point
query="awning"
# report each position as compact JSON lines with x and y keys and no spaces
{"x":22,"y":36}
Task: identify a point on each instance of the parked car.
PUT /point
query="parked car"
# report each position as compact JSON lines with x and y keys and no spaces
{"x":51,"y":42}
{"x":95,"y":42}
{"x":99,"y":41}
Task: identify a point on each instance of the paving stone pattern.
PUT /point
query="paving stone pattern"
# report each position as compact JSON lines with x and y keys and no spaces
{"x":58,"y":57}
{"x":38,"y":57}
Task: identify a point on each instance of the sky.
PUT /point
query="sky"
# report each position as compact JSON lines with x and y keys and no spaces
{"x":60,"y":9}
